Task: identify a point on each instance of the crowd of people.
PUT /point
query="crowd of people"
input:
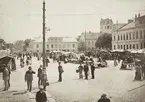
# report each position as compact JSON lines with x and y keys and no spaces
{"x":86,"y":66}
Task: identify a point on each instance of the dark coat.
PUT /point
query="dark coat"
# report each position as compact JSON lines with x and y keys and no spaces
{"x":41,"y":96}
{"x":29,"y":75}
{"x":104,"y":100}
{"x":92,"y":68}
{"x":39,"y":73}
{"x":86,"y":68}
{"x":60,"y":69}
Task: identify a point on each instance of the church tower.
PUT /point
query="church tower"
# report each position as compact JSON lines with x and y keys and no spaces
{"x":106,"y":26}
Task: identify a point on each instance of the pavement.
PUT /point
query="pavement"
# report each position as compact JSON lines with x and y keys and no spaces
{"x":117,"y":84}
{"x":17,"y":91}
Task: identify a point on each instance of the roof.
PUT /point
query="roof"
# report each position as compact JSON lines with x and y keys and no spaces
{"x":117,"y":26}
{"x":106,"y":21}
{"x":64,"y":39}
{"x":128,"y":26}
{"x":91,"y":35}
{"x":69,"y":39}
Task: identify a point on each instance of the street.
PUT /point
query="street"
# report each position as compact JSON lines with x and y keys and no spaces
{"x":111,"y":81}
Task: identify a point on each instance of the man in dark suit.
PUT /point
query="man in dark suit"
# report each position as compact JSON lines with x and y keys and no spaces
{"x":86,"y":70}
{"x":60,"y":70}
{"x":92,"y":70}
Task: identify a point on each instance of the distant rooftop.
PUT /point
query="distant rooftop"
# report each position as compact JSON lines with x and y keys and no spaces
{"x":64,"y":39}
{"x":91,"y":35}
{"x":69,"y":39}
{"x":128,"y":26}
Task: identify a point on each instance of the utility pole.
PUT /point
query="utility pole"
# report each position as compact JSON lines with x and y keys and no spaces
{"x":85,"y":43}
{"x":44,"y":63}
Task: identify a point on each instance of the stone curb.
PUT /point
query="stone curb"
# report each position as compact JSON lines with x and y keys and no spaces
{"x":32,"y":95}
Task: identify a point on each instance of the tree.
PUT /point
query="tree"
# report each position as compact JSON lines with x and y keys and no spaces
{"x":104,"y":41}
{"x":27,"y":42}
{"x":19,"y":44}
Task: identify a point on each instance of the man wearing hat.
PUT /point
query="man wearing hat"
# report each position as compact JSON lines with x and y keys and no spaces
{"x":41,"y":95}
{"x":60,"y":70}
{"x":29,"y":78}
{"x":104,"y":98}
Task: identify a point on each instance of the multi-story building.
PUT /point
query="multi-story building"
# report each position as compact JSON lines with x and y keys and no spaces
{"x":131,"y":36}
{"x":87,"y":40}
{"x":68,"y":44}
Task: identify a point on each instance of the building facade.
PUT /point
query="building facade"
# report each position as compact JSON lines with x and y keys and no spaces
{"x":107,"y":26}
{"x":131,"y":36}
{"x":68,"y":44}
{"x":87,"y":40}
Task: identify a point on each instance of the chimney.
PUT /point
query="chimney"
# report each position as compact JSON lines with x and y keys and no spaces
{"x":130,"y":20}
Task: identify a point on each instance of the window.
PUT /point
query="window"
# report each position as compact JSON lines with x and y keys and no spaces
{"x":51,"y":45}
{"x":133,"y":46}
{"x":129,"y":35}
{"x":136,"y":46}
{"x":114,"y":47}
{"x":47,"y":46}
{"x":118,"y":46}
{"x":133,"y":35}
{"x":126,"y":36}
{"x":107,"y":27}
{"x":37,"y":46}
{"x":121,"y":46}
{"x":130,"y":46}
{"x":114,"y":38}
{"x":124,"y":46}
{"x":141,"y":34}
{"x":137,"y":35}
{"x":141,"y":46}
{"x":118,"y":37}
{"x":144,"y":44}
{"x":127,"y":46}
{"x":121,"y":37}
{"x":73,"y":45}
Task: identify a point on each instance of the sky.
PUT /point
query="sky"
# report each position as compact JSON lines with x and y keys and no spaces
{"x":22,"y":19}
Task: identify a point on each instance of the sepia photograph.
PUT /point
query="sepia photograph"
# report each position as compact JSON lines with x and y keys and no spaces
{"x":72,"y":50}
